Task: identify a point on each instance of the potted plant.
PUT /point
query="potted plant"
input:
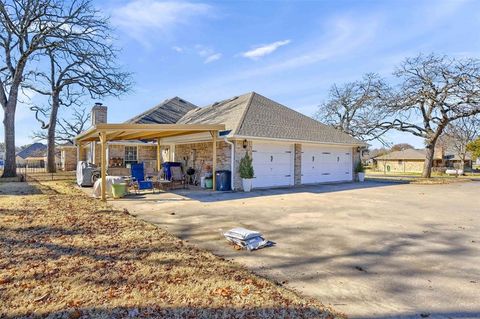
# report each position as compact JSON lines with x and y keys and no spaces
{"x":360,"y":170}
{"x":246,"y":172}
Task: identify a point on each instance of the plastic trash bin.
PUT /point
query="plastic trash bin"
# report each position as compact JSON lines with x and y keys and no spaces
{"x":166,"y":168}
{"x":223,"y":178}
{"x":208,"y":182}
{"x":119,"y":190}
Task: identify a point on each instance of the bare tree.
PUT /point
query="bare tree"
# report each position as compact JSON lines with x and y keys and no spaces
{"x":85,"y":65}
{"x":401,"y":147}
{"x":433,"y":91}
{"x":65,"y":129}
{"x":458,"y":134}
{"x":27,"y":29}
{"x":356,"y":108}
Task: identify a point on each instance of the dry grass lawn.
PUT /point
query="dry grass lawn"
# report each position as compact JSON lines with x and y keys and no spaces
{"x":64,"y":255}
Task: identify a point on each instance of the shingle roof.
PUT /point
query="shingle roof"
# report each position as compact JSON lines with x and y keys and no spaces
{"x":228,"y":112}
{"x":167,"y":112}
{"x":254,"y":115}
{"x":407,"y":154}
{"x":34,"y":150}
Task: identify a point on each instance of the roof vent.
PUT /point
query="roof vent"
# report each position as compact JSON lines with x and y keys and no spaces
{"x":234,"y":98}
{"x":215,"y":104}
{"x":182,"y":101}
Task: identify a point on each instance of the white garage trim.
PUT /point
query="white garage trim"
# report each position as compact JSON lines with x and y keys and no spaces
{"x":284,"y":140}
{"x":273,"y":164}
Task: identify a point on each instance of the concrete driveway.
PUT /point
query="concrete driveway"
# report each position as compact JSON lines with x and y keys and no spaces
{"x":371,"y":250}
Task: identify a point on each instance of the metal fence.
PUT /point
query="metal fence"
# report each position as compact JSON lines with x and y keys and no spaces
{"x":40,"y":173}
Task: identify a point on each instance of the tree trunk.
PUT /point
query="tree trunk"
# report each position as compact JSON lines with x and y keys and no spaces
{"x":427,"y":166}
{"x":10,"y":165}
{"x":51,"y":164}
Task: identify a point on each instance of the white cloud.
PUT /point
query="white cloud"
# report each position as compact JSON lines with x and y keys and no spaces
{"x":145,"y":19}
{"x":264,"y":50}
{"x":343,"y":37}
{"x":177,"y":49}
{"x":213,"y":57}
{"x":208,"y":53}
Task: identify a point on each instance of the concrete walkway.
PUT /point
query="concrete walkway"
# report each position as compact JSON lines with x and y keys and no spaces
{"x":371,"y":250}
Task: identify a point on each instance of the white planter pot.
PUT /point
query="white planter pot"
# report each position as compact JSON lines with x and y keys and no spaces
{"x":361,"y":177}
{"x":247,"y":184}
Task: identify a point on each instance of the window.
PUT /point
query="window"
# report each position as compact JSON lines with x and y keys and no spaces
{"x":400,"y":162}
{"x":130,"y":155}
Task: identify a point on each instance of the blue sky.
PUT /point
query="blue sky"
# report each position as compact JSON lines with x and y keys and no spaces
{"x":289,"y":51}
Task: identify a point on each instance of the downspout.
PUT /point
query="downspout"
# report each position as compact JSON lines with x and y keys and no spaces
{"x":232,"y":162}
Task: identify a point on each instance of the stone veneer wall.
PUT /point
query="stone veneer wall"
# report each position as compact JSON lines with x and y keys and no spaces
{"x":356,"y":159}
{"x":116,"y":151}
{"x":203,"y":155}
{"x":239,"y":154}
{"x":69,"y":158}
{"x":297,"y":165}
{"x":145,"y":153}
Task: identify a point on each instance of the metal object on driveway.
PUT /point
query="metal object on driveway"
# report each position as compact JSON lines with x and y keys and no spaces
{"x":247,"y":239}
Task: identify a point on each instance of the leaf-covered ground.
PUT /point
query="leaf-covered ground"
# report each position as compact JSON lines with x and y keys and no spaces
{"x":64,"y":255}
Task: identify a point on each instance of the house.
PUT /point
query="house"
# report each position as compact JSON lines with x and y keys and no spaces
{"x":412,"y":161}
{"x":287,"y":147}
{"x":34,"y":155}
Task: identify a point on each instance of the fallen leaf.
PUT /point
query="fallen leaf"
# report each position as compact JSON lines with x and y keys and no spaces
{"x":75,"y":314}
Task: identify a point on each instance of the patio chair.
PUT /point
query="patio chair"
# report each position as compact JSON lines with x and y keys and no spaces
{"x":160,"y":182}
{"x":138,"y":177}
{"x":177,"y":177}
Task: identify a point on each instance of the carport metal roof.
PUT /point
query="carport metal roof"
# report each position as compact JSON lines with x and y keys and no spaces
{"x":105,"y":132}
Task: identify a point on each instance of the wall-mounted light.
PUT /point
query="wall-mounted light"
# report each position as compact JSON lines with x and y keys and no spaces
{"x":245,"y":144}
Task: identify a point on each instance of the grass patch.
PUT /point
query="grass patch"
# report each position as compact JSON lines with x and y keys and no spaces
{"x":63,"y":254}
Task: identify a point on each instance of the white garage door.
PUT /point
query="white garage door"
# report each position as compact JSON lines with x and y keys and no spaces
{"x":272,"y":164}
{"x":322,"y":164}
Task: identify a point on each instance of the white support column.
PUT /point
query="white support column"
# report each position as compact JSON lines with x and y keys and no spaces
{"x":214,"y":159}
{"x":159,"y":156}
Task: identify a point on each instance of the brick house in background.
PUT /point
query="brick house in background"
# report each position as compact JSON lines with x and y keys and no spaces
{"x":412,"y":161}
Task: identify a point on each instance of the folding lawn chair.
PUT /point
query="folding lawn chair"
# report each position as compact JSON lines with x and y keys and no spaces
{"x":138,"y":177}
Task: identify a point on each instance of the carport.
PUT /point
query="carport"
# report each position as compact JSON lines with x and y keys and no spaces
{"x":148,"y":132}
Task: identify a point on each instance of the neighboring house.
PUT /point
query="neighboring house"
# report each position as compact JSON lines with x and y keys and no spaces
{"x":34,"y":155}
{"x":412,"y":161}
{"x":287,"y":147}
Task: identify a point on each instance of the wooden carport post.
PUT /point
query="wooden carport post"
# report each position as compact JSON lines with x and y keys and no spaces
{"x":103,"y":140}
{"x":79,"y":151}
{"x":214,"y":160}
{"x":159,"y":156}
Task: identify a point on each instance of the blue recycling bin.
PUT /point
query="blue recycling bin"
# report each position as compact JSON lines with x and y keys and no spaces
{"x":166,"y":168}
{"x":223,"y":180}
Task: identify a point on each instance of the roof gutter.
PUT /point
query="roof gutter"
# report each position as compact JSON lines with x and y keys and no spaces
{"x":232,"y":162}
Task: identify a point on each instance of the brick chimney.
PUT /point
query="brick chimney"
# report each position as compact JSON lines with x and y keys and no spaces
{"x":99,"y":114}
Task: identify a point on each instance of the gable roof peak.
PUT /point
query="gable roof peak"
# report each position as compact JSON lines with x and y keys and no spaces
{"x":167,"y":112}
